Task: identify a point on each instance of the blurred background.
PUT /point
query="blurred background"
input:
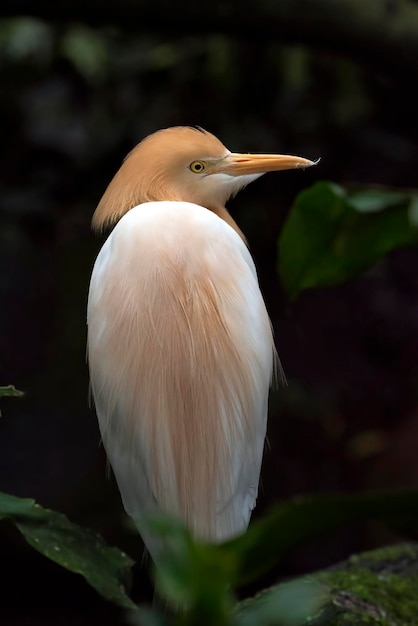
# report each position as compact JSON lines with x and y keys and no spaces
{"x":80,"y":85}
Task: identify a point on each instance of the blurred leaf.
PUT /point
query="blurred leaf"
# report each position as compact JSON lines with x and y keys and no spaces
{"x":287,"y":604}
{"x":200,"y":577}
{"x":25,"y":38}
{"x":292,"y":523}
{"x":330,"y":236}
{"x":163,"y":56}
{"x":86,"y":50}
{"x":367,"y":443}
{"x":374,"y":200}
{"x":146,"y":616}
{"x":77,"y":549}
{"x":10,"y":390}
{"x":175,"y":575}
{"x":191,"y":574}
{"x":413,"y":211}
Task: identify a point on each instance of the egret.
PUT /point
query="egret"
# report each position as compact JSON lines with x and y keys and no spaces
{"x":180,"y":346}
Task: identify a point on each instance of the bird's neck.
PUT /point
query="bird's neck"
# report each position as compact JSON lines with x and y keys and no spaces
{"x":224,"y":214}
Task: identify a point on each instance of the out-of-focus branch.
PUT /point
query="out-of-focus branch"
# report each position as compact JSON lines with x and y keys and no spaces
{"x":380,"y":33}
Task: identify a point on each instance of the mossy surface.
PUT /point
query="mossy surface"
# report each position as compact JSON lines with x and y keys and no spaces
{"x":378,"y":588}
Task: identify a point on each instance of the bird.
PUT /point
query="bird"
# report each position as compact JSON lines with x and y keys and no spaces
{"x":180,"y":345}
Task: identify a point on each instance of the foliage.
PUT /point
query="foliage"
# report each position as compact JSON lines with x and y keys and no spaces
{"x":332,"y":235}
{"x":77,"y":549}
{"x":77,"y":97}
{"x":11,"y":391}
{"x":201,"y":578}
{"x":291,"y":523}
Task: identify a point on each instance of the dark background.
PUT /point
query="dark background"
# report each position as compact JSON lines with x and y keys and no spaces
{"x":80,"y":84}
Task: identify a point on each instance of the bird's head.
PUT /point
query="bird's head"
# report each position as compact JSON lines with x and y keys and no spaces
{"x":187,"y":164}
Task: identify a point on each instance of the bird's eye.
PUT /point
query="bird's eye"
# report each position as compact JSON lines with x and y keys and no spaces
{"x":197,"y":167}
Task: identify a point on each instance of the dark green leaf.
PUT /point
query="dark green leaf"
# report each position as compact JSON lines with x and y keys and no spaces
{"x":191,"y":574}
{"x":413,"y":212}
{"x":287,"y":604}
{"x":299,"y":520}
{"x":331,"y":236}
{"x":175,"y":576}
{"x":10,"y":390}
{"x":147,"y":616}
{"x":77,"y":549}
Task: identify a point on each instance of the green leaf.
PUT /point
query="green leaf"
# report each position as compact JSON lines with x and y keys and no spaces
{"x":331,"y":236}
{"x":413,"y":212}
{"x":86,"y":50}
{"x":75,"y":548}
{"x":10,"y":390}
{"x":287,"y":604}
{"x":147,"y":616}
{"x":292,"y":523}
{"x":175,"y":575}
{"x":191,"y":574}
{"x":374,"y":200}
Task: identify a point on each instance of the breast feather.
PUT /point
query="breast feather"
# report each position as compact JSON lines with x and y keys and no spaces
{"x":181,"y":354}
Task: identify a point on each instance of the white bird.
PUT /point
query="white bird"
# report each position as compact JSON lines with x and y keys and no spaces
{"x":180,"y":346}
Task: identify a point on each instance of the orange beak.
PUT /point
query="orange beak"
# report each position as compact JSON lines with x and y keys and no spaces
{"x":236,"y":164}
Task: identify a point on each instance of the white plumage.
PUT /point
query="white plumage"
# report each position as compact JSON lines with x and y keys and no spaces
{"x":180,"y":345}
